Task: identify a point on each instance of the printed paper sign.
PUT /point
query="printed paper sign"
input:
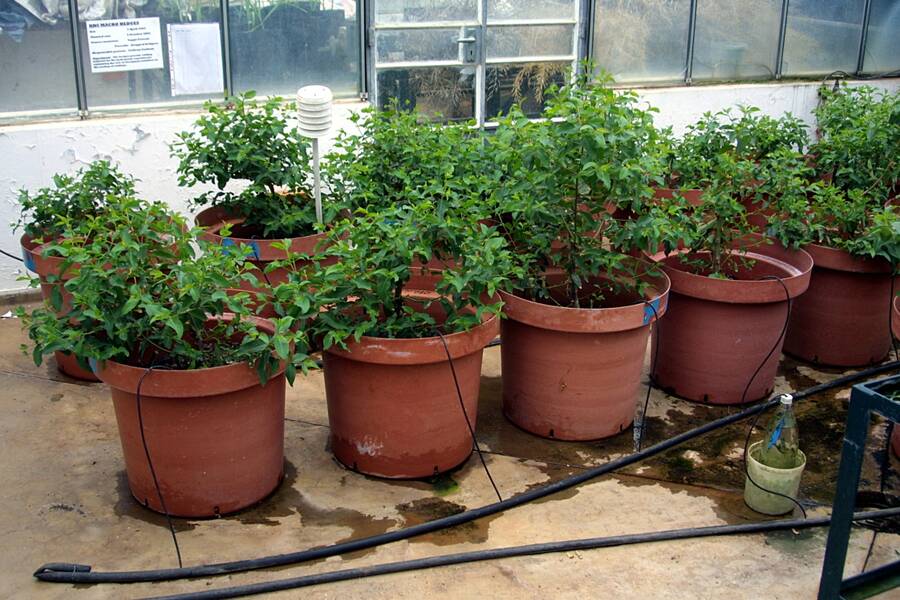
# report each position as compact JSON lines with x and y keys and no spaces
{"x":125,"y":45}
{"x":195,"y":59}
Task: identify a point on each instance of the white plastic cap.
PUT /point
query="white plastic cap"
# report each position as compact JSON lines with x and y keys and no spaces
{"x":314,"y":110}
{"x":787,"y":399}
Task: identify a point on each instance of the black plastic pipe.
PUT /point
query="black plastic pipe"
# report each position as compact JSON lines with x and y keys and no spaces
{"x":514,"y":551}
{"x":80,"y":573}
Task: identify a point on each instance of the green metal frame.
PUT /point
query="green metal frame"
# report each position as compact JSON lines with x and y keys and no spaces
{"x":865,"y":399}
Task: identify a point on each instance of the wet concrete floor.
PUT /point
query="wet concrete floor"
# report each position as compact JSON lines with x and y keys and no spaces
{"x":65,"y":498}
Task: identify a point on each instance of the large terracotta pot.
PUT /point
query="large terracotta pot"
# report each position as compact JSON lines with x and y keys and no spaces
{"x":47,"y":266}
{"x":216,"y":436}
{"x":263,"y":250}
{"x":718,"y":331}
{"x":393,"y":407}
{"x":574,"y":373}
{"x":693,"y":196}
{"x":841,"y":319}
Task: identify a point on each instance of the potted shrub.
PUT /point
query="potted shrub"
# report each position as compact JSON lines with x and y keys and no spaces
{"x":196,"y":381}
{"x":578,"y":317}
{"x":764,"y":142}
{"x":249,"y":143}
{"x":847,"y":225}
{"x":858,"y":136}
{"x":393,"y":151}
{"x":399,"y":363}
{"x":45,"y":216}
{"x":729,"y":299}
{"x":855,"y":242}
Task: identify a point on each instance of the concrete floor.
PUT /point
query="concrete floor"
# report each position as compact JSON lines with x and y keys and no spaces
{"x":64,"y":498}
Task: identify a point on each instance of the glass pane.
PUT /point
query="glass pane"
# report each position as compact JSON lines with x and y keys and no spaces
{"x":278,"y":46}
{"x":116,"y":71}
{"x":822,"y":36}
{"x":883,"y":39}
{"x":416,"y":44}
{"x":35,"y":61}
{"x":448,"y":92}
{"x":642,"y":40}
{"x":523,"y":84}
{"x":531,"y":9}
{"x":418,"y":11}
{"x":532,"y":40}
{"x":736,"y":39}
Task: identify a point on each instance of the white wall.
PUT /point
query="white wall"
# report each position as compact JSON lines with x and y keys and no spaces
{"x":31,"y":154}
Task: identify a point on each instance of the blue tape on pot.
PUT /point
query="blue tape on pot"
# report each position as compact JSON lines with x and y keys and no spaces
{"x":649,"y":312}
{"x":93,"y":363}
{"x":29,"y":260}
{"x":226,"y":242}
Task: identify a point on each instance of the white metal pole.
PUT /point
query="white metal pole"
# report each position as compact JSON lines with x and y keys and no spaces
{"x":317,"y":179}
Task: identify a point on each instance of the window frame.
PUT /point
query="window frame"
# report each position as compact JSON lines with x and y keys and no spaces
{"x":583,"y":47}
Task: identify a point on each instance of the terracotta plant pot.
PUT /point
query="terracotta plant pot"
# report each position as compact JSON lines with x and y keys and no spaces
{"x":841,"y":319}
{"x":426,"y":276}
{"x":718,"y":331}
{"x":574,"y":373}
{"x":694,"y":197}
{"x":216,"y":436}
{"x":263,"y":250}
{"x":46,"y":266}
{"x":392,"y":403}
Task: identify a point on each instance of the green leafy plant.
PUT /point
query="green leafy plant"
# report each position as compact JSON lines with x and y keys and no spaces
{"x":710,"y":145}
{"x":252,"y":142}
{"x":47,"y":212}
{"x":365,"y":292}
{"x":714,"y":232}
{"x":394,"y":151}
{"x":853,"y":221}
{"x":859,"y":138}
{"x":138,"y":293}
{"x":574,"y":193}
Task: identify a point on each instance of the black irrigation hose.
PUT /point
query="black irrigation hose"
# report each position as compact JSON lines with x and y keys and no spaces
{"x":79,"y":573}
{"x":475,"y":445}
{"x":516,"y":551}
{"x":159,"y":494}
{"x":12,"y":256}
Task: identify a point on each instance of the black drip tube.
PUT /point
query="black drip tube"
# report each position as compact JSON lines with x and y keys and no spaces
{"x":515,"y":551}
{"x":80,"y":573}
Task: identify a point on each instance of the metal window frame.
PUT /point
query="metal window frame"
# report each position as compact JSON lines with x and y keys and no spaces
{"x":579,"y":21}
{"x":863,"y":38}
{"x":78,"y":59}
{"x":583,"y":47}
{"x":692,"y":36}
{"x":782,"y":35}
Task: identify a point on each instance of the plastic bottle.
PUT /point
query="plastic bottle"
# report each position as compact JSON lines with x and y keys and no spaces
{"x":781,"y":446}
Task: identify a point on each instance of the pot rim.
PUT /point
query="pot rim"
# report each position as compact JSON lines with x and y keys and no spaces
{"x":828,"y":257}
{"x":766,"y":468}
{"x":36,"y":262}
{"x":590,"y":320}
{"x":184,"y":383}
{"x":419,"y":351}
{"x":214,"y":218}
{"x":796,"y":264}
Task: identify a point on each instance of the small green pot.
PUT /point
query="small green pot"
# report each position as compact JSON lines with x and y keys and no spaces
{"x":783,"y":481}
